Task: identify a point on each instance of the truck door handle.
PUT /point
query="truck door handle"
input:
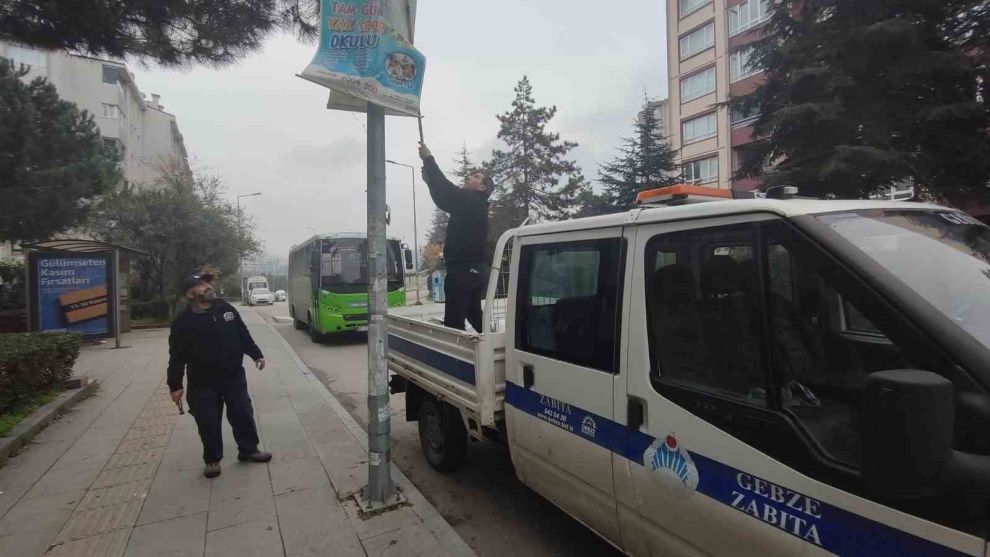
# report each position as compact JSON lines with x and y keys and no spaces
{"x":634,"y":416}
{"x":528,"y":378}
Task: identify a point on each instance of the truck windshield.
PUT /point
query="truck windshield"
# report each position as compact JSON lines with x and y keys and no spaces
{"x":344,"y":266}
{"x":944,"y":256}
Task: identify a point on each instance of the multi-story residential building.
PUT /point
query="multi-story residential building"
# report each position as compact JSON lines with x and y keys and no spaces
{"x":708,"y":62}
{"x":661,"y":113}
{"x":145,"y":134}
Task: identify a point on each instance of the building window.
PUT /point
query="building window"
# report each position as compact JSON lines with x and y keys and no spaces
{"x":111,"y":111}
{"x":741,"y":64}
{"x":739,"y":117}
{"x":111,"y":74}
{"x":698,"y":85}
{"x":31,"y":57}
{"x":684,"y":7}
{"x":696,"y":41}
{"x":749,"y":14}
{"x":697,"y":129}
{"x":703,"y":171}
{"x":568,"y":303}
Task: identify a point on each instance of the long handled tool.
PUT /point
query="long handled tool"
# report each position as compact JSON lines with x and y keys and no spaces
{"x":179,"y":404}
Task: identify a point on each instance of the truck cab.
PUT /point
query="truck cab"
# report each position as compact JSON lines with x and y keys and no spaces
{"x":748,"y":377}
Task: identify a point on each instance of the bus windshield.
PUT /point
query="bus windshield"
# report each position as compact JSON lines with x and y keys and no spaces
{"x":344,"y":265}
{"x":944,"y":256}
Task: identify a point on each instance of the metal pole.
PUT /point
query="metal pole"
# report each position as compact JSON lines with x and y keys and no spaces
{"x":380,"y":490}
{"x":415,"y":236}
{"x":116,"y":297}
{"x":240,"y":259}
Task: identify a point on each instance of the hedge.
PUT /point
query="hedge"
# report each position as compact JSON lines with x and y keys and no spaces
{"x":32,"y":363}
{"x":155,"y":309}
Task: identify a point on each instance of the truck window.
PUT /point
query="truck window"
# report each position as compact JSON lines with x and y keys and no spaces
{"x":703,"y":317}
{"x":568,"y":299}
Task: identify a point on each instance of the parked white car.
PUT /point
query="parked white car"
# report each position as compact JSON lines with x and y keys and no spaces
{"x":261,"y":296}
{"x":280,"y":296}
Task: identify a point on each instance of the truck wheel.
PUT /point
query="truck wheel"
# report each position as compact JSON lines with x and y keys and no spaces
{"x":442,"y":434}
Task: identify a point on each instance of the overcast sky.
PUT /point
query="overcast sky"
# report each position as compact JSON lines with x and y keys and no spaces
{"x":261,"y":128}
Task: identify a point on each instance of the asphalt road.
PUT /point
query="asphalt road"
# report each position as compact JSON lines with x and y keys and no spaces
{"x":492,"y":510}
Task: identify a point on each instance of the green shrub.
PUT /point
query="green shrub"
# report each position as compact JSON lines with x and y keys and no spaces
{"x":155,"y":309}
{"x":32,"y":363}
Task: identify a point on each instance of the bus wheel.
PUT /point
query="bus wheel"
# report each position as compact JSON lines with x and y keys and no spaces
{"x":442,"y":434}
{"x":314,"y":334}
{"x":299,"y":325}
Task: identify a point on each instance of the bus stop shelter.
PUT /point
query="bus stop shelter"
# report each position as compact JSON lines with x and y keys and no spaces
{"x":78,"y":285}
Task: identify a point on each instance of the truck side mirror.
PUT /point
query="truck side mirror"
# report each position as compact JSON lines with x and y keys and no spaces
{"x":908,"y":428}
{"x":908,"y":422}
{"x":409,"y":259}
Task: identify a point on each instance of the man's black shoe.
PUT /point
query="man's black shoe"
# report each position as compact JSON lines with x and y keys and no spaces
{"x":260,"y":456}
{"x":212,"y":469}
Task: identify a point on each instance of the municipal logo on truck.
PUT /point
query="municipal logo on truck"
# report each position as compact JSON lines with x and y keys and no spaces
{"x":672,"y":464}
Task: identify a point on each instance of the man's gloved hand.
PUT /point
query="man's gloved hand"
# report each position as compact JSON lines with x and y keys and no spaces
{"x":176,"y":395}
{"x":424,"y":151}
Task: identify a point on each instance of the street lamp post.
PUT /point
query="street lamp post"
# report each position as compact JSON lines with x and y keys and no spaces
{"x":412,"y":171}
{"x":240,"y":232}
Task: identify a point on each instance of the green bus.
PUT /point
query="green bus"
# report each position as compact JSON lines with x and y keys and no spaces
{"x":328,"y":282}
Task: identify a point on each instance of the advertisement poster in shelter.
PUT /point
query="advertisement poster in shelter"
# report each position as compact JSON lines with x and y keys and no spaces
{"x":366,"y":55}
{"x":72,"y":292}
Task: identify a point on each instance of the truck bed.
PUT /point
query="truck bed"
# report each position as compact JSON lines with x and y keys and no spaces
{"x":464,"y":368}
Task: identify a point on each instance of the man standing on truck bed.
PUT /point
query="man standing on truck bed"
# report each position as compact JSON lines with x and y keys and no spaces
{"x":467,"y":237}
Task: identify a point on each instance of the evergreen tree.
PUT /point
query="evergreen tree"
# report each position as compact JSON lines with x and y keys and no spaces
{"x":176,"y":32}
{"x":53,"y":161}
{"x":860,"y":96}
{"x":645,"y":161}
{"x":534,"y":177}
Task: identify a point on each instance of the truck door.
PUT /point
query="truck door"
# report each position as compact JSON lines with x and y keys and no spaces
{"x":747,"y":353}
{"x":559,"y":396}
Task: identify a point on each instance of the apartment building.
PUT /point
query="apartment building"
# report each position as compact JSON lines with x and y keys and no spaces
{"x":146,"y":135}
{"x":661,"y":114}
{"x":708,"y":62}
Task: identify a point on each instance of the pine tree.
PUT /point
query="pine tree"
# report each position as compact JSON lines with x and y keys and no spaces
{"x":172,"y":33}
{"x":53,"y":161}
{"x":534,"y":177}
{"x":860,"y":96}
{"x":645,"y":161}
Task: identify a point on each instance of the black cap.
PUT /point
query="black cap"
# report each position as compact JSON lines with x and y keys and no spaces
{"x":193,"y":280}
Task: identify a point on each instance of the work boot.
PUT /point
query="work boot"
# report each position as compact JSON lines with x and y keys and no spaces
{"x":258,"y":456}
{"x":212,"y":469}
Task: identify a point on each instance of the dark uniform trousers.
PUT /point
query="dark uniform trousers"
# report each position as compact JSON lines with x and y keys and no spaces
{"x":464,"y":288}
{"x":206,"y":404}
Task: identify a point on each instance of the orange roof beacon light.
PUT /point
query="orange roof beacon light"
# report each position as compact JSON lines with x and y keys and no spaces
{"x":680,"y":194}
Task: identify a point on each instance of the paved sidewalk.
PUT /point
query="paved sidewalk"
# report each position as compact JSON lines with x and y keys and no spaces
{"x":121,"y":474}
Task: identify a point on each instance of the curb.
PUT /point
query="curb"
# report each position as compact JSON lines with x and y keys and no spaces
{"x":437,"y":525}
{"x":39,"y":420}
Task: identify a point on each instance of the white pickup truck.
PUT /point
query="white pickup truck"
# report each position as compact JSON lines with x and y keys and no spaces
{"x":741,"y":377}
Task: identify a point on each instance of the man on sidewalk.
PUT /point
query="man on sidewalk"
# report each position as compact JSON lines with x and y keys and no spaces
{"x":467,"y":237}
{"x":209,"y":340}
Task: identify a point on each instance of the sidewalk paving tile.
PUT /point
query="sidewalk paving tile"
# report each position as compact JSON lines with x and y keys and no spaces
{"x":179,"y":537}
{"x":250,"y":539}
{"x":176,"y":493}
{"x":241,"y":494}
{"x":27,"y":544}
{"x":41,"y":513}
{"x":376,"y":525}
{"x":313,"y":524}
{"x":84,"y":524}
{"x":116,"y":495}
{"x":407,"y":542}
{"x":294,"y":474}
{"x":66,"y":479}
{"x":110,"y":544}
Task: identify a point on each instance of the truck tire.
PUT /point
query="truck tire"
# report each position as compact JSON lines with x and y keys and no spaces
{"x":442,"y":434}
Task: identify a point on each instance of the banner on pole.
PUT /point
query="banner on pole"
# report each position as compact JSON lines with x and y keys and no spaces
{"x":366,"y":55}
